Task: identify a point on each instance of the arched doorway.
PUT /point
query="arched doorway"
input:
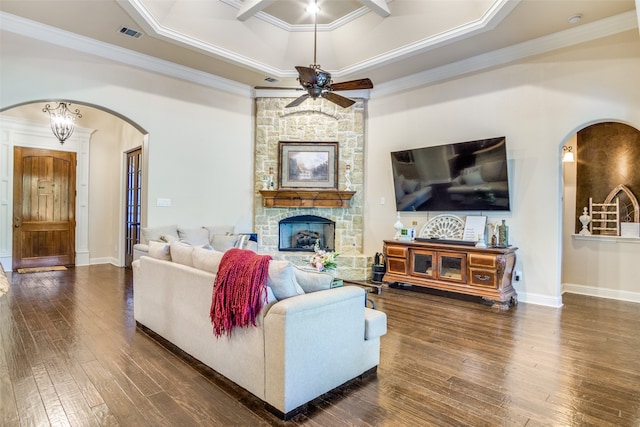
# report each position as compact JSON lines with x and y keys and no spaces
{"x":100,"y":205}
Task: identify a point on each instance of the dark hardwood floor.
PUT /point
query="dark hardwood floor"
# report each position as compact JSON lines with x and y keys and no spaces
{"x":71,"y":355}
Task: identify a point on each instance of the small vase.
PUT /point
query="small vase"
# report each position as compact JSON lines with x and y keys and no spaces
{"x":503,"y":234}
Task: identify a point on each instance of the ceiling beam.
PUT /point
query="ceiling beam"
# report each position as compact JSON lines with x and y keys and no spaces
{"x":251,"y":7}
{"x":378,"y":6}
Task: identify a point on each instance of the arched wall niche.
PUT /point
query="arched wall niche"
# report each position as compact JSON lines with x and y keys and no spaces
{"x":601,"y":266}
{"x":100,"y":205}
{"x":607,"y":156}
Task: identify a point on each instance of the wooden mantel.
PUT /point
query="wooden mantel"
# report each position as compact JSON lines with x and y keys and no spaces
{"x":300,"y":198}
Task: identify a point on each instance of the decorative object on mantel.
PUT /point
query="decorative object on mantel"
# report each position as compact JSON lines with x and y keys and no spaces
{"x":265,"y":182}
{"x":272,"y":185}
{"x":584,"y":220}
{"x":302,"y":198}
{"x":347,"y":178}
{"x":62,"y":120}
{"x":443,"y":226}
{"x":398,"y":226}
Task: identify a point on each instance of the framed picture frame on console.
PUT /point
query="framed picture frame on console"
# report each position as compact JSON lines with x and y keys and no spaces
{"x":308,"y":165}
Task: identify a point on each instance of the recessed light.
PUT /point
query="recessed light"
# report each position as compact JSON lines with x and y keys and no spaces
{"x":574,"y":19}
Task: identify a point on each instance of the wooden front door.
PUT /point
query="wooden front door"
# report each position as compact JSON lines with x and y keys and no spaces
{"x":44,"y":200}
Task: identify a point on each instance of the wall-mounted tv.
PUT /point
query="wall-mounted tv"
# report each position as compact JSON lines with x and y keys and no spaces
{"x":465,"y":176}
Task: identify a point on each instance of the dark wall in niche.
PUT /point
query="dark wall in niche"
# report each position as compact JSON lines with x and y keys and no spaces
{"x":608,"y":154}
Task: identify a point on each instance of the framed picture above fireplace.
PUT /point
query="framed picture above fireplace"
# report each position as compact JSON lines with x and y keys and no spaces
{"x":308,"y":165}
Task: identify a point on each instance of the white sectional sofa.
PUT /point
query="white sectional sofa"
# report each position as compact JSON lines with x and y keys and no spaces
{"x":309,"y":338}
{"x":220,"y":237}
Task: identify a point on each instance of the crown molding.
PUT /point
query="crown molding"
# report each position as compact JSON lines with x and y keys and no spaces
{"x":56,"y":36}
{"x":584,"y":33}
{"x":292,"y":28}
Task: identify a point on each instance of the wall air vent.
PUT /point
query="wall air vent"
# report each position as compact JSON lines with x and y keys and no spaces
{"x":270,"y":80}
{"x":130,"y":32}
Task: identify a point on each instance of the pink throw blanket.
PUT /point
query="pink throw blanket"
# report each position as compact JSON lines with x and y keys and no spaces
{"x":239,"y":291}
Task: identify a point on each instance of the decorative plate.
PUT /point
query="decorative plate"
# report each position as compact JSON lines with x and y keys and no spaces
{"x":443,"y":227}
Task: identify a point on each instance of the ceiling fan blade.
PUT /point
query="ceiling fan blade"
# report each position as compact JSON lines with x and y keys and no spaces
{"x":297,"y":101}
{"x":306,"y":75}
{"x":353,"y":85}
{"x":338,"y":99}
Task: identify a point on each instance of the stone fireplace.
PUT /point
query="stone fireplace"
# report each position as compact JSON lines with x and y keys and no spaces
{"x":300,"y":233}
{"x":313,"y":121}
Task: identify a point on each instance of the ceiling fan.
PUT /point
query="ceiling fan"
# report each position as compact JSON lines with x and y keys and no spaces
{"x":318,"y":83}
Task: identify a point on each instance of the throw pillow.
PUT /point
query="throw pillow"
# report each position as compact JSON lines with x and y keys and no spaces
{"x":312,"y":280}
{"x":159,"y":250}
{"x":282,"y":280}
{"x":223,"y":243}
{"x":182,"y":253}
{"x":194,"y":236}
{"x":154,"y":233}
{"x":207,"y":259}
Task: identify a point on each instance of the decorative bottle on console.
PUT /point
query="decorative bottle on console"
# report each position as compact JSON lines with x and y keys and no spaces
{"x":503,"y":234}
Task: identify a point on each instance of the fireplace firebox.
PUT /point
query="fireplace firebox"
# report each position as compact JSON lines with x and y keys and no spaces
{"x":300,"y":233}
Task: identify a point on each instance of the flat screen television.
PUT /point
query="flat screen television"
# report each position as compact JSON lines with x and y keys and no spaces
{"x":465,"y":176}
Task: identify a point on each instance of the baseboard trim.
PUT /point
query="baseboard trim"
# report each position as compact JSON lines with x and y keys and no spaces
{"x":593,"y":291}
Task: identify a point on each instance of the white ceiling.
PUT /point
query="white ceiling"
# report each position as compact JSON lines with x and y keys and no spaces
{"x":400,"y":43}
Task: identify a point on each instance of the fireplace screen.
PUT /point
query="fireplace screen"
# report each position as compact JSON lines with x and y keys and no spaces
{"x":300,"y":233}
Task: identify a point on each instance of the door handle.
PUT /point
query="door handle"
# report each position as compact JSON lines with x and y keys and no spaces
{"x":17,"y":223}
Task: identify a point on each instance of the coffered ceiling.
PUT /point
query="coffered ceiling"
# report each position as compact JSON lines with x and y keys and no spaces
{"x":258,"y":42}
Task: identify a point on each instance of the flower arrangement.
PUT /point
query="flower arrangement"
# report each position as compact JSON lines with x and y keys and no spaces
{"x":323,"y":260}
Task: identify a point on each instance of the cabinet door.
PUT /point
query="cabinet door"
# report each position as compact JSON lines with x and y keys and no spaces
{"x":423,"y":263}
{"x":452,"y":267}
{"x":396,"y":259}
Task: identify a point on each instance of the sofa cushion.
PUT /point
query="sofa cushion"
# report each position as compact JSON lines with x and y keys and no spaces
{"x":194,"y":236}
{"x":156,"y":233}
{"x":375,"y":323}
{"x":159,"y":250}
{"x":282,"y":280}
{"x":207,"y":259}
{"x":182,"y":253}
{"x":311,"y":280}
{"x":224,"y":242}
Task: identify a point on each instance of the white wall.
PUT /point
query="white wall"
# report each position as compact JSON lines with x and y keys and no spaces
{"x":537,"y":105}
{"x":200,"y":139}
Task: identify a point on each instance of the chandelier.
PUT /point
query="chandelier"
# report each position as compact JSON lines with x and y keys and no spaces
{"x":62,"y":120}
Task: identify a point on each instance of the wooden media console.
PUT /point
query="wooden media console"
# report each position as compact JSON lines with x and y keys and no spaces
{"x":483,"y":272}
